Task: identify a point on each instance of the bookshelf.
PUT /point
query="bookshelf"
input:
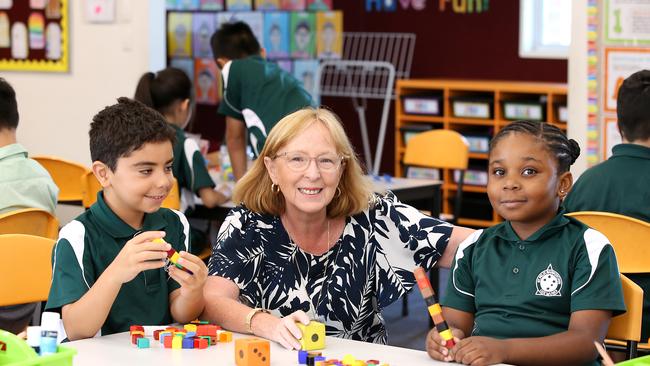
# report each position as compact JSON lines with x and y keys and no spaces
{"x":488,"y":107}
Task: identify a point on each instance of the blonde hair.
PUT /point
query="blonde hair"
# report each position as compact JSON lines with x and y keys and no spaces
{"x":254,"y":188}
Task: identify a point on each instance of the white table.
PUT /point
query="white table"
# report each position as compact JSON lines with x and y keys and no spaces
{"x":117,"y":349}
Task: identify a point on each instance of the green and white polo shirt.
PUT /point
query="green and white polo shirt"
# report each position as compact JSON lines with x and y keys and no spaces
{"x":260,"y":93}
{"x":89,"y":244}
{"x":529,"y":288}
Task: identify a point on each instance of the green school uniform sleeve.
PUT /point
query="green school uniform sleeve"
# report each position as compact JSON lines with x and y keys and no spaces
{"x":231,"y":105}
{"x":196,"y":174}
{"x":596,"y":282}
{"x":461,"y":286}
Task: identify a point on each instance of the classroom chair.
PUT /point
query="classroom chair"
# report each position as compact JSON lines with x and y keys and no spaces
{"x":66,"y":175}
{"x":624,"y":330}
{"x":90,"y":186}
{"x":440,"y":149}
{"x":31,"y":221}
{"x":25,"y":267}
{"x":629,"y":238}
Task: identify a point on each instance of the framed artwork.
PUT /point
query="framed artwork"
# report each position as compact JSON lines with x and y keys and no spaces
{"x":34,"y":36}
{"x":206,"y":81}
{"x":305,"y":71}
{"x":267,"y":4}
{"x":302,"y":35}
{"x":239,"y":5}
{"x":292,"y":4}
{"x":329,"y":37}
{"x":276,"y":35}
{"x":203,"y":25}
{"x":319,"y":5}
{"x":179,"y":35}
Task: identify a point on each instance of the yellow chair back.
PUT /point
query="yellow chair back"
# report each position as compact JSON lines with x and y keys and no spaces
{"x":66,"y":175}
{"x":629,"y":237}
{"x":25,"y":268}
{"x":437,"y":149}
{"x":627,"y":327}
{"x":173,"y":199}
{"x":31,"y":221}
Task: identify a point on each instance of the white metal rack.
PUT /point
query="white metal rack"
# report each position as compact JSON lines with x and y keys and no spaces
{"x":367,"y":70}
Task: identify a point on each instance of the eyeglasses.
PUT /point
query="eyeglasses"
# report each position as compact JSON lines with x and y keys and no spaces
{"x":299,"y":162}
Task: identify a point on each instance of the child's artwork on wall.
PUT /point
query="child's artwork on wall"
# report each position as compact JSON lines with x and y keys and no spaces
{"x":286,"y":65}
{"x":179,"y":37}
{"x":185,"y":64}
{"x":267,"y":4}
{"x":305,"y":71}
{"x":187,"y":5}
{"x":211,"y":4}
{"x":33,"y":35}
{"x":203,"y":25}
{"x":330,"y":34}
{"x":276,"y":35}
{"x":319,"y":4}
{"x":292,"y":4}
{"x":302,"y":35}
{"x":206,"y":81}
{"x":239,"y":5}
{"x":254,"y":20}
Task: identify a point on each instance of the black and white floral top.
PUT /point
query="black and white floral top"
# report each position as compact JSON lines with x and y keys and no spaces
{"x":369,"y":267}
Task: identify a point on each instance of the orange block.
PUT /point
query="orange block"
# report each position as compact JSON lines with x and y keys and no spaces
{"x":225,"y":336}
{"x":252,"y":352}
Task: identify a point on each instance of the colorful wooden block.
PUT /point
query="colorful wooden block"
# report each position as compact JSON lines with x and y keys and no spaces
{"x":349,"y":359}
{"x":207,"y":339}
{"x":188,"y":343}
{"x":143,"y":342}
{"x":134,"y":338}
{"x":136,"y":327}
{"x":156,"y":334}
{"x":167,"y":341}
{"x":252,"y":352}
{"x":313,"y":335}
{"x":200,"y":343}
{"x":190,"y":327}
{"x":177,"y":342}
{"x":302,"y":357}
{"x":190,"y":334}
{"x":225,"y":336}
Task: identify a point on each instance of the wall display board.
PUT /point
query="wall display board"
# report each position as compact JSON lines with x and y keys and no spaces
{"x":34,"y":35}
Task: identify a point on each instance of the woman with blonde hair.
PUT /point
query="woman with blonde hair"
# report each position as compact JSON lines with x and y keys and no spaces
{"x":311,"y":240}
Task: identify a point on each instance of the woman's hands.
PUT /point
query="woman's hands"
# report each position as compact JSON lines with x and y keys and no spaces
{"x":285,"y":331}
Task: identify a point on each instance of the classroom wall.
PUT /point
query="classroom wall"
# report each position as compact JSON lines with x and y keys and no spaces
{"x":577,"y":98}
{"x":106,"y":62}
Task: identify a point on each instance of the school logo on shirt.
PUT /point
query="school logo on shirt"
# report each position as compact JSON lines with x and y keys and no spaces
{"x":549,"y":282}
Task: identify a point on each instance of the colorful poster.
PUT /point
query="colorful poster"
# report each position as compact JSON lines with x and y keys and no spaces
{"x":19,"y":49}
{"x":627,"y":21}
{"x":267,"y":4}
{"x":36,"y":25}
{"x":329,"y":27}
{"x":171,"y":4}
{"x":302,"y":35}
{"x":206,"y":81}
{"x":53,"y":9}
{"x":185,"y":64}
{"x":239,"y":5}
{"x":611,"y":135}
{"x":619,"y":64}
{"x":187,"y":5}
{"x":292,"y":4}
{"x":254,"y":20}
{"x":319,"y":4}
{"x":276,"y":35}
{"x":37,"y":4}
{"x":179,"y":37}
{"x":305,"y":71}
{"x":286,"y":65}
{"x":203,"y":25}
{"x":211,"y":4}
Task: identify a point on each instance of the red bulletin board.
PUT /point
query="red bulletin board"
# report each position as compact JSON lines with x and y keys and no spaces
{"x":34,"y":35}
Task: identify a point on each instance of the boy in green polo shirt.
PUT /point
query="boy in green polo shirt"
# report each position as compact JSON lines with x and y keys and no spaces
{"x":256,"y":93}
{"x":107,"y":270}
{"x":621,"y":183}
{"x":540,"y":287}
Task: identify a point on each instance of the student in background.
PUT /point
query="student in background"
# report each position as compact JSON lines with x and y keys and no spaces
{"x":622,"y":183}
{"x":107,"y":270}
{"x":540,"y":287}
{"x":24,"y":183}
{"x":257,"y":93}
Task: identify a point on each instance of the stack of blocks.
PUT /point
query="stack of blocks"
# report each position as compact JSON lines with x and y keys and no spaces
{"x":195,"y":335}
{"x":312,"y":358}
{"x":252,"y":352}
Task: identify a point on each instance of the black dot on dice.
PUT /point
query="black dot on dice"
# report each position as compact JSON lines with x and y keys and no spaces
{"x":263,"y":359}
{"x":254,"y":350}
{"x":314,"y":337}
{"x":241,"y":354}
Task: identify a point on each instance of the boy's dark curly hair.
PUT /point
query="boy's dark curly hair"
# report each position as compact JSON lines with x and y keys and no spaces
{"x":122,"y":128}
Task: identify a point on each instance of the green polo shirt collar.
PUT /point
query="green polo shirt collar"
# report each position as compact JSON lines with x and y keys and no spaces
{"x":506,"y":232}
{"x":116,"y":227}
{"x":631,"y":150}
{"x":12,"y":149}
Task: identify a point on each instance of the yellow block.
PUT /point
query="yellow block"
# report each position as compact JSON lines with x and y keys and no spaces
{"x":174,"y":258}
{"x":190,"y":327}
{"x":313,"y":335}
{"x":177,"y":342}
{"x":446,"y":334}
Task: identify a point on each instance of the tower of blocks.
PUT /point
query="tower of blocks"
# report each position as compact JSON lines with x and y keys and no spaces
{"x":313,"y":335}
{"x":434,"y":308}
{"x":172,"y":256}
{"x":198,"y":334}
{"x":252,"y":352}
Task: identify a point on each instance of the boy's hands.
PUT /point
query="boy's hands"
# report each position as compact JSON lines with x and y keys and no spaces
{"x":478,"y":351}
{"x":190,"y":283}
{"x":138,"y":254}
{"x":436,"y":345}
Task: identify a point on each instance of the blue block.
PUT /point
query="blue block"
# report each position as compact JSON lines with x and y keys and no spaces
{"x":143,"y":342}
{"x":190,"y":334}
{"x":302,"y":357}
{"x":188,"y":342}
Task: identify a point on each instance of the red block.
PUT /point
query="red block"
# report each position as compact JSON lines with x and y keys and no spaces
{"x":168,"y":341}
{"x":136,"y":327}
{"x":203,"y":343}
{"x":156,"y":334}
{"x":134,"y":338}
